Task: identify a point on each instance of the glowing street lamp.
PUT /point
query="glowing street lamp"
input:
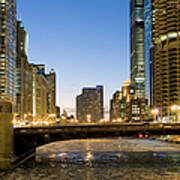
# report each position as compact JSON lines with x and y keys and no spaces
{"x":88,"y":117}
{"x":119,"y":120}
{"x":155,"y":112}
{"x":174,"y":107}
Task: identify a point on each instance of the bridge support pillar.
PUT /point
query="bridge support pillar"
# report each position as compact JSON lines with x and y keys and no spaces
{"x":6,"y":135}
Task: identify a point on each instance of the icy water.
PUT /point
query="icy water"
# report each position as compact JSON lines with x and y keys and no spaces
{"x":102,"y":159}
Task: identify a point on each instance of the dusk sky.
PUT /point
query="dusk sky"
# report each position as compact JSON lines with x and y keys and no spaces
{"x":85,"y":41}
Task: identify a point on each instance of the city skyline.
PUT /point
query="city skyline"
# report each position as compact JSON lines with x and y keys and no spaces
{"x":53,"y":90}
{"x":73,"y":52}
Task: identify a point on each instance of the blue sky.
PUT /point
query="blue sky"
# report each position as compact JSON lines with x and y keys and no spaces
{"x":85,"y":41}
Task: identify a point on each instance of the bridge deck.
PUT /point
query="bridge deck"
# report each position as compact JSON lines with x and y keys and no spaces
{"x":153,"y":128}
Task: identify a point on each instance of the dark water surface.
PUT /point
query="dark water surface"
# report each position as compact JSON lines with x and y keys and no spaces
{"x":98,"y":159}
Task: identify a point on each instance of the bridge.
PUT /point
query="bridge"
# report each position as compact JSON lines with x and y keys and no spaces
{"x":26,"y":139}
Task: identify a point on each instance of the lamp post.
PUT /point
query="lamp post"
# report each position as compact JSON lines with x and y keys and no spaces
{"x":155,"y":112}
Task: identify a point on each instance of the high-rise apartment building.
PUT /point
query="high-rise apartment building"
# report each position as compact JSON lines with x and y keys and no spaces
{"x":137,"y":46}
{"x":24,"y":75}
{"x":7,"y":50}
{"x":90,"y":105}
{"x":166,"y":39}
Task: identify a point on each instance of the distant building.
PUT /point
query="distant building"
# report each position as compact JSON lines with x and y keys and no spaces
{"x":63,"y":117}
{"x":115,"y":106}
{"x":58,"y":111}
{"x":90,"y":105}
{"x":118,"y":103}
{"x":137,"y":46}
{"x":24,"y":76}
{"x":125,"y":106}
{"x":128,"y":90}
{"x":136,"y":109}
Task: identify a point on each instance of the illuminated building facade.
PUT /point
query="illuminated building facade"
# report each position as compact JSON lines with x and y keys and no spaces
{"x":166,"y":39}
{"x":51,"y":77}
{"x":40,"y":90}
{"x":128,"y":90}
{"x":24,"y":75}
{"x":125,"y":106}
{"x":136,"y":108}
{"x":90,"y":105}
{"x":7,"y":79}
{"x":7,"y":50}
{"x":127,"y":94}
{"x":137,"y":46}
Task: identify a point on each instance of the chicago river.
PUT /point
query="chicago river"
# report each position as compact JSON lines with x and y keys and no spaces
{"x":102,"y":159}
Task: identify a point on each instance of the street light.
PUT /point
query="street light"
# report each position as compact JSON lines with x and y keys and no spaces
{"x":88,"y":118}
{"x":155,"y":112}
{"x":119,"y":120}
{"x":176,"y":109}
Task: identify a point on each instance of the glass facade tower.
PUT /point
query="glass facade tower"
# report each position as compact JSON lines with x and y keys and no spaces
{"x":148,"y":48}
{"x":7,"y":50}
{"x":7,"y":80}
{"x":137,"y":45}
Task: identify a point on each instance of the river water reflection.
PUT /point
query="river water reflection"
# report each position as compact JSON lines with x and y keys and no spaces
{"x":98,"y":159}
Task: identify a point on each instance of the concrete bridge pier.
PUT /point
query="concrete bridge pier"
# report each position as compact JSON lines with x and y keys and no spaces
{"x":6,"y":135}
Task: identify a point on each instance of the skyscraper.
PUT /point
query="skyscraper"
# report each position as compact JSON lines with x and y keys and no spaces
{"x":148,"y":50}
{"x":90,"y":105}
{"x":40,"y":90}
{"x":166,"y":38}
{"x":24,"y":75}
{"x":137,"y":45}
{"x":51,"y":77}
{"x":7,"y":79}
{"x":7,"y":50}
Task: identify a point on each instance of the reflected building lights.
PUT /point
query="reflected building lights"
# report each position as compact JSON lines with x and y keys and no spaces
{"x":52,"y":156}
{"x":89,"y":156}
